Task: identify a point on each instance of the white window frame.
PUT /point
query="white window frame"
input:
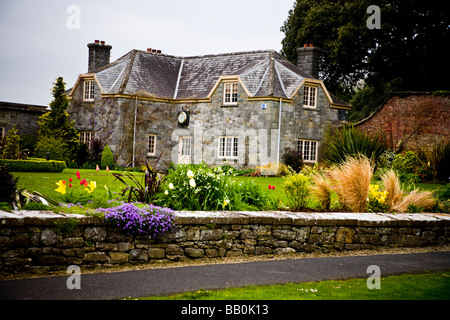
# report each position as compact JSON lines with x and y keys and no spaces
{"x":85,"y":137}
{"x":309,"y":150}
{"x":228,"y":147}
{"x":151,"y":146}
{"x":88,"y":90}
{"x":310,"y":97}
{"x":230,"y":93}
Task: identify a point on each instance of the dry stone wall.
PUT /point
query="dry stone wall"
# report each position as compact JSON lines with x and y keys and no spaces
{"x":44,"y":241}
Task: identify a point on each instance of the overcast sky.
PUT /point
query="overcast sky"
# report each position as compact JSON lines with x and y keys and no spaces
{"x":42,"y":40}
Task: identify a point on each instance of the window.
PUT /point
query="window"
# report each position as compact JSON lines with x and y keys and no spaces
{"x":230,"y":96}
{"x":309,"y":97}
{"x":2,"y":132}
{"x":186,"y":146}
{"x":85,"y":137}
{"x":228,"y":147}
{"x":308,"y":150}
{"x":88,"y":90}
{"x":151,"y":145}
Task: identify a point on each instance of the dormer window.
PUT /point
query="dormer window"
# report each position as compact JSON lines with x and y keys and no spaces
{"x":230,"y":93}
{"x":88,"y":94}
{"x":310,"y":97}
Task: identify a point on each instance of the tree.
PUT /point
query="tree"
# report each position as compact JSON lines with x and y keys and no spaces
{"x":406,"y":53}
{"x":55,"y":123}
{"x":11,"y":148}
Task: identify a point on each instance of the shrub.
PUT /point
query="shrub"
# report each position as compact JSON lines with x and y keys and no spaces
{"x":54,"y":146}
{"x":297,"y":191}
{"x":11,"y":146}
{"x":196,"y":187}
{"x":34,"y":165}
{"x":8,"y":185}
{"x":293,"y":158}
{"x":350,"y":142}
{"x":149,"y":221}
{"x":107,"y":158}
{"x":246,"y":195}
{"x":351,"y":181}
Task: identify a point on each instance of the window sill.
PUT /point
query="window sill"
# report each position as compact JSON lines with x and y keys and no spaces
{"x":309,"y":108}
{"x":229,"y":105}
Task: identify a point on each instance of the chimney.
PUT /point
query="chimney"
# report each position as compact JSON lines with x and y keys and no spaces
{"x":99,"y":55}
{"x":308,"y":59}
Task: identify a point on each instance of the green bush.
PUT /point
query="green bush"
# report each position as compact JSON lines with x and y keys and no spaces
{"x":297,"y":188}
{"x":34,"y":165}
{"x":350,"y":141}
{"x":54,"y":146}
{"x":11,"y":148}
{"x":410,"y":168}
{"x":107,"y":158}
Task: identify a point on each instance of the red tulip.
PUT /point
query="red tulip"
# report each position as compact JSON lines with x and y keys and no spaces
{"x":70,"y":180}
{"x":82,"y":181}
{"x":270,"y":187}
{"x":273,"y":187}
{"x":78,"y":174}
{"x":70,"y":185}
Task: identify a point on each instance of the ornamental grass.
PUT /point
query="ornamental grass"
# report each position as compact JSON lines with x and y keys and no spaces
{"x":351,"y":181}
{"x":394,"y":192}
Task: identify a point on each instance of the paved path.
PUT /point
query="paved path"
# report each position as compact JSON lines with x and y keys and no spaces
{"x":165,"y":281}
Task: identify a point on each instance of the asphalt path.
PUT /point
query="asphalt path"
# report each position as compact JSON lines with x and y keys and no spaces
{"x":164,"y":281}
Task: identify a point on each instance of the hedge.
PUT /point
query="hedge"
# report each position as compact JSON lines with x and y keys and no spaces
{"x":34,"y":164}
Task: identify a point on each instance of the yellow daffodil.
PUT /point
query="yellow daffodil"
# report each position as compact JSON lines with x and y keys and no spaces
{"x":61,"y":187}
{"x":92,"y":186}
{"x":225,"y":202}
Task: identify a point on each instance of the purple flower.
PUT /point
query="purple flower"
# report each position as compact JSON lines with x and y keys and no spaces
{"x":150,"y":221}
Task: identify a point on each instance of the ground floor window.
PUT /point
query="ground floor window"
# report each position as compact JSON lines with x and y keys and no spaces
{"x":308,"y":150}
{"x":151,"y":151}
{"x":228,"y":147}
{"x":85,"y":137}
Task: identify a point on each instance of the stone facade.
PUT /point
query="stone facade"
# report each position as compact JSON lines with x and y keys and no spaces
{"x":43,"y":241}
{"x":143,"y":93}
{"x":412,"y":120}
{"x":24,"y":116}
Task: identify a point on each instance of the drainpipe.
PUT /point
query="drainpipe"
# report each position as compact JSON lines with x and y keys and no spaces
{"x":279,"y":131}
{"x":134,"y":130}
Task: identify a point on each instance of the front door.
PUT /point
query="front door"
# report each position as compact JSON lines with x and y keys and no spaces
{"x":184,"y":152}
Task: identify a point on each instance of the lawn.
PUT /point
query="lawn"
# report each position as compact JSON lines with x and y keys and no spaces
{"x":429,"y":286}
{"x":45,"y":182}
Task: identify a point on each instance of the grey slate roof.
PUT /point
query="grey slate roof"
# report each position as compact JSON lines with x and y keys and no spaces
{"x":264,"y":73}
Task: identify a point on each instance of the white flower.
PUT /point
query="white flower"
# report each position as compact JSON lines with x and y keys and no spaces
{"x":171,"y":186}
{"x":190,"y":174}
{"x":192,"y":183}
{"x":166,"y":192}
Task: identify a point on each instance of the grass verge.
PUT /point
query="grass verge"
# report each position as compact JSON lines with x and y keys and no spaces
{"x":429,"y":286}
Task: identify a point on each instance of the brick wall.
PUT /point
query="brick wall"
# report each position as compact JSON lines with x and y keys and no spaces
{"x":412,"y":121}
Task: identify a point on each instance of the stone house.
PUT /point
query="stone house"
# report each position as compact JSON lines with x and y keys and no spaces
{"x":24,"y":116}
{"x":242,"y":108}
{"x":412,"y":120}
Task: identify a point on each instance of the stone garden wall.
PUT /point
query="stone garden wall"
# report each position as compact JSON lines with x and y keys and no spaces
{"x":38,"y":241}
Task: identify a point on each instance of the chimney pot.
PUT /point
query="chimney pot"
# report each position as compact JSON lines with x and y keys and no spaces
{"x":149,"y":49}
{"x":153,"y":50}
{"x":158,"y":51}
{"x":97,"y":41}
{"x":102,"y":42}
